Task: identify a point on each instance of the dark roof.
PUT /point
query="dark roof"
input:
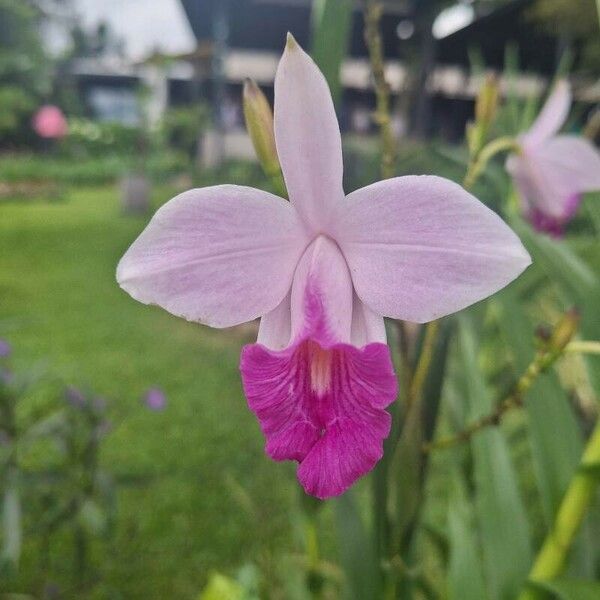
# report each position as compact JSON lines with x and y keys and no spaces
{"x":263,"y":24}
{"x":491,"y":34}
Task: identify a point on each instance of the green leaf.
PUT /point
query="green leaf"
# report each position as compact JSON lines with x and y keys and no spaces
{"x":220,"y":587}
{"x":46,"y":427}
{"x":501,"y":515}
{"x":590,"y":330}
{"x":555,"y":437}
{"x":592,"y":205}
{"x":408,"y":466}
{"x":566,"y":588}
{"x":578,"y":283}
{"x":357,"y":553}
{"x":92,"y":517}
{"x":331,"y":21}
{"x":405,"y":480}
{"x":593,"y":469}
{"x":560,"y":262}
{"x":465,"y":569}
{"x":434,"y":383}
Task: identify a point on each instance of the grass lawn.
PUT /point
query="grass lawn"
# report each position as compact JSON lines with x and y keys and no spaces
{"x":211,"y":499}
{"x":199,"y":494}
{"x":59,"y":303}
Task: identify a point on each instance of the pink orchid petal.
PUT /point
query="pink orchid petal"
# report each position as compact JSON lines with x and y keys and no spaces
{"x":275,"y":327}
{"x":552,"y":116}
{"x":275,"y":331}
{"x":321,"y":401}
{"x":554,"y":226}
{"x":335,"y":433}
{"x":308,"y":137}
{"x":367,"y":326}
{"x":322,"y":278}
{"x":222,"y":255}
{"x":517,"y":169}
{"x":421,"y":247}
{"x":571,"y":162}
{"x":550,"y":176}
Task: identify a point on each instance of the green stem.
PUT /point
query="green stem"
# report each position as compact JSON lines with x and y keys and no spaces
{"x":584,"y":346}
{"x":550,"y":560}
{"x":372,"y":14}
{"x":422,"y":369}
{"x":554,"y":347}
{"x":479,"y":162}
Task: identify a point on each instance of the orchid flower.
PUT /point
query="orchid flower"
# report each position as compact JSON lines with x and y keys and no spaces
{"x":551,"y":171}
{"x":320,"y":271}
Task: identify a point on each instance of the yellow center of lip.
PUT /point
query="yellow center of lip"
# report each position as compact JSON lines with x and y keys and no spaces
{"x":320,"y":368}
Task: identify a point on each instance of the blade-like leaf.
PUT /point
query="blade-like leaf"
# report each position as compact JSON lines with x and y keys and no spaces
{"x":556,"y":440}
{"x":331,"y":21}
{"x":566,"y":588}
{"x":408,"y":465}
{"x":465,"y":569}
{"x":554,"y":435}
{"x":593,"y":469}
{"x":220,"y":587}
{"x":500,"y":512}
{"x":579,"y":284}
{"x":592,"y":205}
{"x":45,"y":427}
{"x":560,"y":262}
{"x":357,"y":552}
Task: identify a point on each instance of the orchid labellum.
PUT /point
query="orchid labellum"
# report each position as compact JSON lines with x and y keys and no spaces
{"x":551,"y":171}
{"x":321,"y":271}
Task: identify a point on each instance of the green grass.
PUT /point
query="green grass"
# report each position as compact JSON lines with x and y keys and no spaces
{"x":59,"y":303}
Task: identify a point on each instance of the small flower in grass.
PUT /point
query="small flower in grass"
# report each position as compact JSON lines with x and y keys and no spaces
{"x":552,"y":171}
{"x":155,"y":399}
{"x":75,"y":397}
{"x":5,"y":348}
{"x":321,"y":271}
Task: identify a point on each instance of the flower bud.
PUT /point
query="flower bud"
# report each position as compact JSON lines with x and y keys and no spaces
{"x":259,"y":122}
{"x":486,"y":104}
{"x":564,"y":330}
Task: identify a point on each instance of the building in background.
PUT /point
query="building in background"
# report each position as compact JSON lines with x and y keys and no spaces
{"x":236,"y":39}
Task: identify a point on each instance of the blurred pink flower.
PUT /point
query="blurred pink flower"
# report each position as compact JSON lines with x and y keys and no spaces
{"x":320,"y":271}
{"x":551,"y":172}
{"x":49,"y":122}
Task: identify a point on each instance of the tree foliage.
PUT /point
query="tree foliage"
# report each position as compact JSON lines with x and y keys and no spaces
{"x":24,"y":72}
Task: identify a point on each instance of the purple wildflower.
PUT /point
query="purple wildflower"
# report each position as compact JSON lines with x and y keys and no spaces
{"x":155,"y":399}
